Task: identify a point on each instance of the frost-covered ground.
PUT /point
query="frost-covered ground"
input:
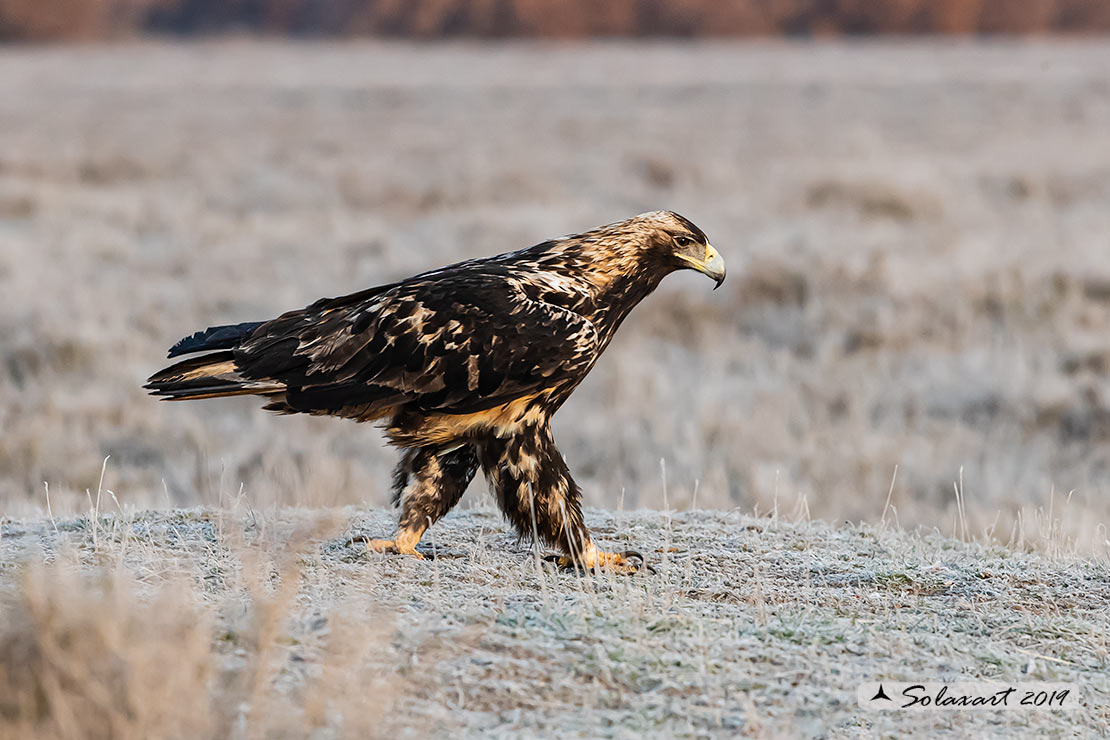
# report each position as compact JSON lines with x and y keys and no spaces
{"x":916,"y":237}
{"x":197,"y":623}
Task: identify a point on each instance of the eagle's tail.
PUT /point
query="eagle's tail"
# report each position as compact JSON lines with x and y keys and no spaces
{"x":212,"y":375}
{"x":214,"y":337}
{"x":209,"y":376}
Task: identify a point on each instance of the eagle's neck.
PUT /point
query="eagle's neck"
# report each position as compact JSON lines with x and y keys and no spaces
{"x":613,"y":300}
{"x":607,"y":283}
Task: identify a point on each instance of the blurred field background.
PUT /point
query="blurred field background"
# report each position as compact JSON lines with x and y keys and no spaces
{"x":916,"y":235}
{"x":914,"y":333}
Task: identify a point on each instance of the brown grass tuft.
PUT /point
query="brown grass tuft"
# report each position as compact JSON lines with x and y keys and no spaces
{"x":83,"y":655}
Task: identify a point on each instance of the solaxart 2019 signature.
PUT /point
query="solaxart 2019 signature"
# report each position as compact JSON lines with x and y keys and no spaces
{"x":967,"y":695}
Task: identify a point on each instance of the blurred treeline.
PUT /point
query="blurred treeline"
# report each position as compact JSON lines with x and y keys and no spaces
{"x":91,"y":19}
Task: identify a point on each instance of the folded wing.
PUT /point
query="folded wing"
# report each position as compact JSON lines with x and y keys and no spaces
{"x":455,"y":344}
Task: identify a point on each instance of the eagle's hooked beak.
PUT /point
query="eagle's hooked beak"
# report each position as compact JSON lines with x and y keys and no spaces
{"x":713,"y":265}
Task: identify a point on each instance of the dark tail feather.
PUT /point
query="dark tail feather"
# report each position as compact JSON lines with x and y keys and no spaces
{"x":209,"y":376}
{"x":215,"y":337}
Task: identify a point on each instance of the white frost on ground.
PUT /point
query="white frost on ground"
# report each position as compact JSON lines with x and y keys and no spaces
{"x":755,"y":626}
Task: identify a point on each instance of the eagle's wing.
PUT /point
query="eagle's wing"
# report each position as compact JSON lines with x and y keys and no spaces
{"x":457,"y":343}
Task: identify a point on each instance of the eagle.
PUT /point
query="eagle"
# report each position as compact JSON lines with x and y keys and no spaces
{"x":463,"y":366}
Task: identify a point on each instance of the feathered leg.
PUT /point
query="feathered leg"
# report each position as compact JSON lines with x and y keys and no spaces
{"x":534,"y":488}
{"x":427,"y":482}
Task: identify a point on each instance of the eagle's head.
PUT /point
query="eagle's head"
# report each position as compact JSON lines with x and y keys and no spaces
{"x":657,"y":242}
{"x":681,"y":245}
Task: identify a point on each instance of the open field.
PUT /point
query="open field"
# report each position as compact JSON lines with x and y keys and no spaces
{"x":916,"y":238}
{"x":756,"y":627}
{"x":914,"y":334}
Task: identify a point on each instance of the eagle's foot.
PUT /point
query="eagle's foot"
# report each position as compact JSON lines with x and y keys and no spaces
{"x":394,"y":547}
{"x":403,"y":543}
{"x":628,"y":562}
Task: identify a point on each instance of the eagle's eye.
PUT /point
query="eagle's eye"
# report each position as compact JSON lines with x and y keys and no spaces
{"x":684,"y":241}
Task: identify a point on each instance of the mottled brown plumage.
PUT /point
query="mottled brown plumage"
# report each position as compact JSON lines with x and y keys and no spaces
{"x":464,"y":366}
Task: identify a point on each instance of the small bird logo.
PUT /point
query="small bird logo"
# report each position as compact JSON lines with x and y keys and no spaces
{"x":880,"y":694}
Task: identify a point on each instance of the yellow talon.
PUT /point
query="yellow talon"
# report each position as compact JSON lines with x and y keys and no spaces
{"x":403,"y":543}
{"x":626,"y":562}
{"x":392,"y":546}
